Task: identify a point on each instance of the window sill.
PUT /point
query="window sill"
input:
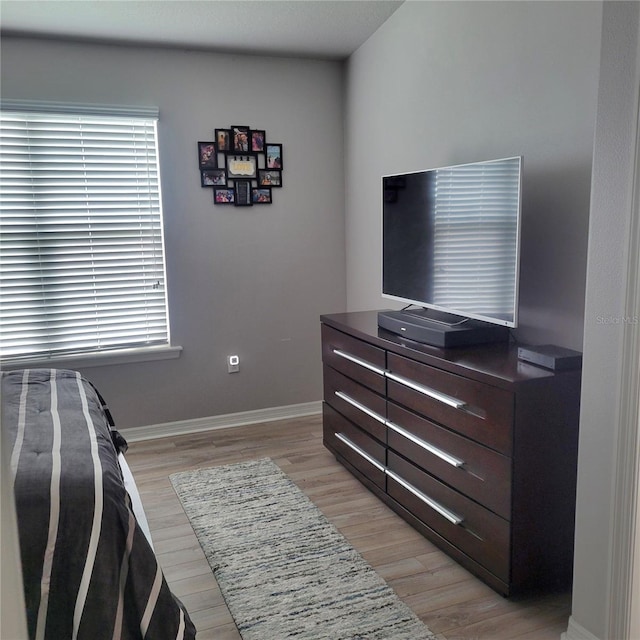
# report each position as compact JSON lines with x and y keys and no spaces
{"x":122,"y":356}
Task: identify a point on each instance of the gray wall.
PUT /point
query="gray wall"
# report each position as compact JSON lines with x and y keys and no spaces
{"x":247,"y":281}
{"x":442,"y":83}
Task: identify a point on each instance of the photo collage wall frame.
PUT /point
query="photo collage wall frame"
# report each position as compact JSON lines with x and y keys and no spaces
{"x":241,"y":166}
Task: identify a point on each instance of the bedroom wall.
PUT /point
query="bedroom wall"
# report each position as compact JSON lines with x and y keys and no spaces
{"x":442,"y":83}
{"x":248,"y":281}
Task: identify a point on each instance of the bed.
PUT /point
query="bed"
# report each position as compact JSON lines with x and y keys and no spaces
{"x":89,"y":569}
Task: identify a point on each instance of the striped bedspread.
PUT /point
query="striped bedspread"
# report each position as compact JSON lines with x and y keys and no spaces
{"x":89,"y":571}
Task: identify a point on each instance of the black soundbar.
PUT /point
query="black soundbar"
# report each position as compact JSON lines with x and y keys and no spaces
{"x":437,"y":334}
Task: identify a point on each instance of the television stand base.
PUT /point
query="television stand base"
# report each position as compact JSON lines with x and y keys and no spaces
{"x":439,"y":334}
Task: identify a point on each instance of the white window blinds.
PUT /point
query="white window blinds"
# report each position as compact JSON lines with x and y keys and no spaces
{"x":81,"y":247}
{"x":475,"y":231}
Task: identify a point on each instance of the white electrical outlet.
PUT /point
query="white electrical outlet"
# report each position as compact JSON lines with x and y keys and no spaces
{"x":233,"y":364}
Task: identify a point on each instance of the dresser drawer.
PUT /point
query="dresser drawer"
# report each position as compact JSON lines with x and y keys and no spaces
{"x":354,"y":358}
{"x":473,"y":469}
{"x":356,"y":446}
{"x":479,"y":411}
{"x":357,"y":403}
{"x":474,"y":530}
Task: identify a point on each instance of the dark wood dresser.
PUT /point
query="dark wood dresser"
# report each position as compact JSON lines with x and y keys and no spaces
{"x":475,"y":449}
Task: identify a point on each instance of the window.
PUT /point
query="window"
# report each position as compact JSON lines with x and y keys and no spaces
{"x":81,"y":246}
{"x":476,"y":236}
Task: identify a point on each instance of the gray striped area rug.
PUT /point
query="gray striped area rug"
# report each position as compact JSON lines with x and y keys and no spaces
{"x":284,"y":570}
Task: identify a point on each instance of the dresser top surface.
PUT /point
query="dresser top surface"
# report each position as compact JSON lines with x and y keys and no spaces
{"x":497,"y":361}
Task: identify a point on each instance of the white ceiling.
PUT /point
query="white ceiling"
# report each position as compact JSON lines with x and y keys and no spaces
{"x":309,"y":28}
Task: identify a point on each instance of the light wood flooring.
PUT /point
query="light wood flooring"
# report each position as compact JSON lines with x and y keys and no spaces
{"x":450,"y":601}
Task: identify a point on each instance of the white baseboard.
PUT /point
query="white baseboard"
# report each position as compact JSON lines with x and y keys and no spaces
{"x":197,"y":425}
{"x":576,"y":631}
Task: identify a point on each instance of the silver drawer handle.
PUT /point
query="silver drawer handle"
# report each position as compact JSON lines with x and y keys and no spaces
{"x":359,"y":451}
{"x":362,"y":363}
{"x":453,"y":518}
{"x":443,"y":455}
{"x":427,"y":391}
{"x":360,"y":407}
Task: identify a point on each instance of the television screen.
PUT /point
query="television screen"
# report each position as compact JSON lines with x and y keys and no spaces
{"x":451,"y":239}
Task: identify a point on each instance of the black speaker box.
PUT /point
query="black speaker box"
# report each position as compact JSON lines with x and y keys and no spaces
{"x":550,"y":356}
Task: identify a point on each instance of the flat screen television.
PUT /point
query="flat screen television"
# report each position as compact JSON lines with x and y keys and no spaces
{"x":451,"y":242}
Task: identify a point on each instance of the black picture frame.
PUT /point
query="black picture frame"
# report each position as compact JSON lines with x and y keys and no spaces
{"x":223,"y":139}
{"x":270,"y":178}
{"x":240,"y":140}
{"x":224,"y":195}
{"x":273,"y":156}
{"x":242,"y":166}
{"x":213,"y":177}
{"x":243,"y":193}
{"x":258,"y":140}
{"x":207,"y":155}
{"x":261,"y":195}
